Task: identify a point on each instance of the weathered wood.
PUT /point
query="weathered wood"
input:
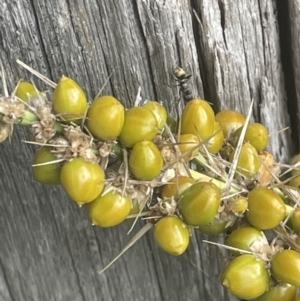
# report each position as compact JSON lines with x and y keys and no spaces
{"x":240,"y":53}
{"x":292,"y":32}
{"x":49,"y":250}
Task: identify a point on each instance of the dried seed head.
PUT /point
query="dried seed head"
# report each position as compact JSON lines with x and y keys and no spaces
{"x":225,"y":216}
{"x":79,"y":144}
{"x":75,"y":143}
{"x":104,"y":149}
{"x":267,"y":169}
{"x":237,"y":205}
{"x":43,"y":130}
{"x":12,"y":109}
{"x":59,"y":144}
{"x":5,"y":131}
{"x":166,"y":206}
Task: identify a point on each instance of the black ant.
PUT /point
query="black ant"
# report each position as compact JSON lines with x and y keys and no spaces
{"x":184,"y":82}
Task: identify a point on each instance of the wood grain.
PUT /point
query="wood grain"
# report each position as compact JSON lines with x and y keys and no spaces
{"x":49,"y":250}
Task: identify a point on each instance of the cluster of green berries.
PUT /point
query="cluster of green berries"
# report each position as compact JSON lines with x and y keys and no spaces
{"x":130,"y":163}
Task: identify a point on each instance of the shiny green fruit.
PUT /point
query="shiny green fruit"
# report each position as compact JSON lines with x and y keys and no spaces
{"x":49,"y":173}
{"x":109,"y":209}
{"x":295,"y":220}
{"x":285,"y":267}
{"x":140,"y":124}
{"x":26,"y":90}
{"x":159,"y":111}
{"x":82,"y":180}
{"x":145,"y":161}
{"x":246,"y":277}
{"x":216,"y":142}
{"x":248,"y":160}
{"x":279,"y":292}
{"x":188,"y":144}
{"x":198,"y":118}
{"x":265,"y":208}
{"x":172,"y":235}
{"x":294,"y":161}
{"x":230,"y":121}
{"x":214,"y":227}
{"x":246,"y":238}
{"x":172,"y":124}
{"x":200,"y":203}
{"x":256,"y":134}
{"x":105,"y":118}
{"x":295,"y":182}
{"x":176,"y":187}
{"x":69,"y":100}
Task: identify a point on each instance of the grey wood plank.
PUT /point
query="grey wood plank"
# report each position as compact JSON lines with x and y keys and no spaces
{"x":49,"y":250}
{"x":293,"y":33}
{"x":240,"y":49}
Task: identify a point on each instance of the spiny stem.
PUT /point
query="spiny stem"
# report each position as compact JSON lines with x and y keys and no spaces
{"x":37,"y":74}
{"x":133,"y":240}
{"x":238,"y":150}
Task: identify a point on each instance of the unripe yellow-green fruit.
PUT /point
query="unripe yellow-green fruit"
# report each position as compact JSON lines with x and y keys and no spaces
{"x":105,"y":118}
{"x":279,"y":292}
{"x":199,"y":203}
{"x":140,"y":124}
{"x":246,"y":238}
{"x":172,"y":125}
{"x":215,"y":143}
{"x":266,"y":209}
{"x":256,"y":134}
{"x":230,"y":121}
{"x":295,"y":220}
{"x":159,"y":111}
{"x":294,"y":161}
{"x":109,"y":209}
{"x":48,"y":173}
{"x":248,"y":160}
{"x":69,"y":100}
{"x":246,"y":277}
{"x":198,"y":118}
{"x":189,"y":145}
{"x":145,"y":161}
{"x":295,"y":182}
{"x":285,"y":267}
{"x":172,"y":235}
{"x":25,"y":90}
{"x":176,"y":187}
{"x":82,"y":180}
{"x":214,"y":227}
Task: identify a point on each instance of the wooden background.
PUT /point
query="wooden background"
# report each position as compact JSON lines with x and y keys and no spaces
{"x":237,"y":50}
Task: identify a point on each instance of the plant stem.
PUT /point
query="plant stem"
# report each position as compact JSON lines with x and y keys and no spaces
{"x":28,"y":118}
{"x":200,"y":176}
